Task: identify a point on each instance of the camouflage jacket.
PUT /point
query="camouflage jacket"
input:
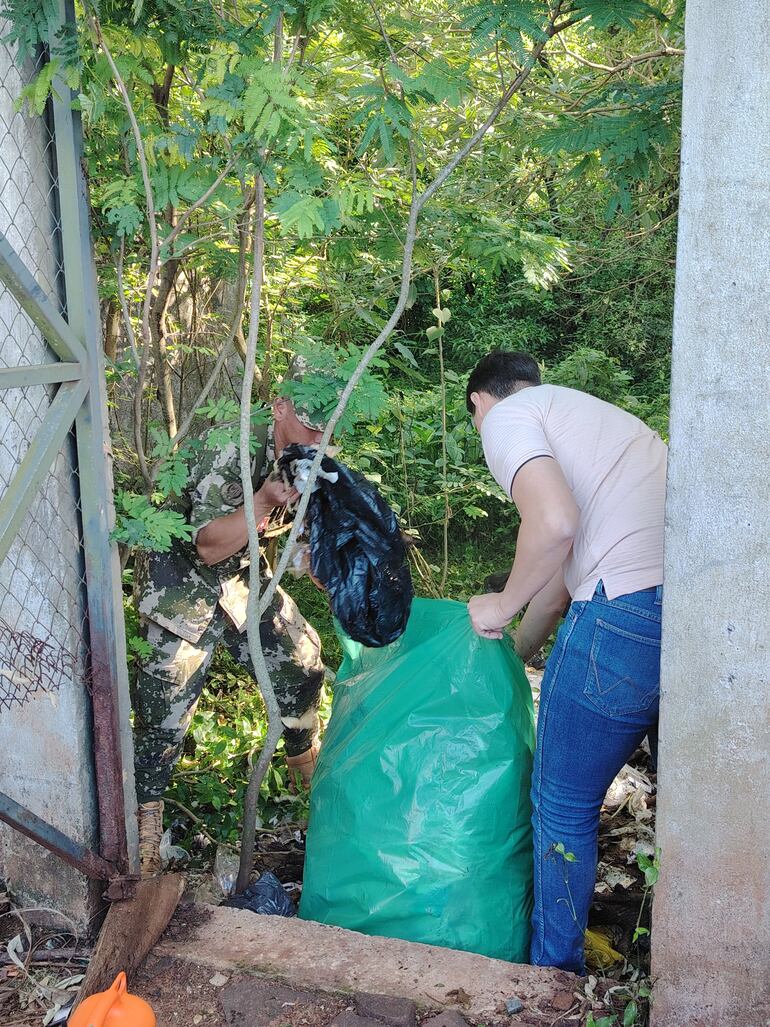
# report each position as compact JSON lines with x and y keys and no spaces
{"x":175,"y":589}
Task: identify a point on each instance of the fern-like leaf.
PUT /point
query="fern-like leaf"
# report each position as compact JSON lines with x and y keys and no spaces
{"x":605,"y":14}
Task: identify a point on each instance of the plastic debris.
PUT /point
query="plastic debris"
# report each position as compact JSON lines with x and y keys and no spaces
{"x":170,"y":853}
{"x":513,"y":1006}
{"x":419,"y":812}
{"x":226,"y":862}
{"x":296,"y":469}
{"x":265,"y":896}
{"x":357,"y":552}
{"x":599,"y":953}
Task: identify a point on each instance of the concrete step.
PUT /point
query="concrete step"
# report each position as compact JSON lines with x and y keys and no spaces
{"x":319,"y":958}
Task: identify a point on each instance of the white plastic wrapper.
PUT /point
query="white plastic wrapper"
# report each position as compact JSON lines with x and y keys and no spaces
{"x":226,"y":869}
{"x":171,"y":853}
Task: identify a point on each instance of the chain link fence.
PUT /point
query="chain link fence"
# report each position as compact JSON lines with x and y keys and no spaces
{"x":43,"y":632}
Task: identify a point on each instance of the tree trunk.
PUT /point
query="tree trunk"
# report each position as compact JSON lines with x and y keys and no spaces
{"x":158,"y":331}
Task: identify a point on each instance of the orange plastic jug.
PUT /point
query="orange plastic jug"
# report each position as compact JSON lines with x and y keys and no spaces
{"x":113,"y":1008}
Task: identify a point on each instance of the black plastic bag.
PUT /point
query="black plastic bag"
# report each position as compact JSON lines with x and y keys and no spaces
{"x":266,"y":896}
{"x":356,"y":549}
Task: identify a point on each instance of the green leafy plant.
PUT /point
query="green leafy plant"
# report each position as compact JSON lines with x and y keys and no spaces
{"x":320,"y":389}
{"x":140,"y":523}
{"x":650,"y":867}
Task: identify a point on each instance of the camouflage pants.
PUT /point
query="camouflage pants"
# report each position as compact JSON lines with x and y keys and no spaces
{"x":169,"y":683}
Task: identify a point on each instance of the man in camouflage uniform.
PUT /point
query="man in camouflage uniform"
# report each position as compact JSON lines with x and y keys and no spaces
{"x":193,"y":598}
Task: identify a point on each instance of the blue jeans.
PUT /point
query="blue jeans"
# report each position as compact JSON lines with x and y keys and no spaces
{"x":599,"y":699}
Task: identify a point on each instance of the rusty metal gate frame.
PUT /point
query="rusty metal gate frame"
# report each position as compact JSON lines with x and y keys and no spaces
{"x":81,"y":401}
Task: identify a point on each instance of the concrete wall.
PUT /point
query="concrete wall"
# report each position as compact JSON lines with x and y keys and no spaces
{"x":45,"y":739}
{"x":711,"y":934}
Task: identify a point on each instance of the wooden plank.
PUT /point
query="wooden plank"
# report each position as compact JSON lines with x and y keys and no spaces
{"x":131,"y":928}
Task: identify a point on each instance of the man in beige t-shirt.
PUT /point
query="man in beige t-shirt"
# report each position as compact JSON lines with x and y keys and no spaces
{"x":588,"y":480}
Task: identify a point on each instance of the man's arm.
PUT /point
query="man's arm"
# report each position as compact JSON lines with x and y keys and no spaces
{"x":549,"y":520}
{"x":541,"y":616}
{"x":224,"y":536}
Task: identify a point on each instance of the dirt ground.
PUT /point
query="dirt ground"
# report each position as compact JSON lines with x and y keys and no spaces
{"x":180,"y":994}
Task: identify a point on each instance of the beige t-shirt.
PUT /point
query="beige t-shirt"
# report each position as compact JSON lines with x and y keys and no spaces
{"x":616,"y":468}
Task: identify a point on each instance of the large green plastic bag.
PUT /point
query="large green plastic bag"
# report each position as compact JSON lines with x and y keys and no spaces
{"x":420,"y":812}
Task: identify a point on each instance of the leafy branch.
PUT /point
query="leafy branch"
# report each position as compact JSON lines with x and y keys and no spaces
{"x":417,"y":204}
{"x":253,"y":613}
{"x":144,"y":354}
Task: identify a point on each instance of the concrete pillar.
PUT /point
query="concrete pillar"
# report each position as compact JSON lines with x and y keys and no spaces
{"x":46,"y":761}
{"x":711,"y":930}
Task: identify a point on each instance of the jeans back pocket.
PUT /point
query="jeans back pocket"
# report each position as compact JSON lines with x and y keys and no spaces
{"x":624,"y":672}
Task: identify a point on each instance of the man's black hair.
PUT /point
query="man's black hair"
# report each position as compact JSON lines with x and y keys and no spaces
{"x":499,"y":372}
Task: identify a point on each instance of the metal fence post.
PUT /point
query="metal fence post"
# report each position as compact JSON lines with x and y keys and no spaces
{"x":113,"y":744}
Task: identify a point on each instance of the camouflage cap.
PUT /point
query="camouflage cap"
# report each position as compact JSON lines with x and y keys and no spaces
{"x":308,"y":412}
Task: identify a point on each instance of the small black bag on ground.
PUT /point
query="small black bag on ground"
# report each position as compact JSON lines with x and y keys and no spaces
{"x":356,"y":549}
{"x":265,"y":895}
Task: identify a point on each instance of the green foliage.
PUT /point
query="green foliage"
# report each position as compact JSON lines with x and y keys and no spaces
{"x":492,"y":22}
{"x":385,"y":117}
{"x":269,"y":101}
{"x":229,"y":726}
{"x":173,"y":474}
{"x":137,"y":648}
{"x":592,"y":371}
{"x":437,"y":82}
{"x":28,"y":23}
{"x":494,"y":245}
{"x":630,"y":1014}
{"x":139,"y":523}
{"x":320,"y":389}
{"x":649,"y":867}
{"x":606,"y":14}
{"x":626,"y":145}
{"x":568,"y":857}
{"x":304,"y":215}
{"x":629,"y":1001}
{"x":36,"y":93}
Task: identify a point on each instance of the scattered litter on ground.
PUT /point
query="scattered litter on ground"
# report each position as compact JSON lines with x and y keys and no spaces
{"x":600,"y":955}
{"x":114,"y":1005}
{"x":170,"y":854}
{"x":226,"y":864}
{"x":626,"y":830}
{"x":630,"y":788}
{"x":608,"y":878}
{"x":40,"y":970}
{"x":179,"y":992}
{"x":265,"y":895}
